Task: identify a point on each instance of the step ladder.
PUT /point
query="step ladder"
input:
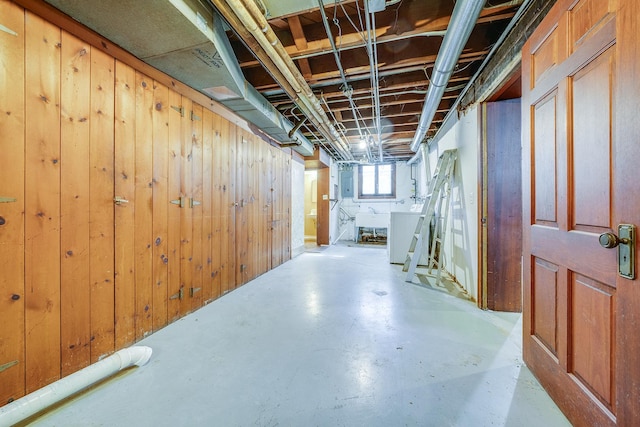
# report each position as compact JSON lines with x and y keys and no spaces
{"x":434,"y":216}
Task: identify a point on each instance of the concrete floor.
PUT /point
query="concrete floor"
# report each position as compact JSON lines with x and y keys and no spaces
{"x":333,"y":338}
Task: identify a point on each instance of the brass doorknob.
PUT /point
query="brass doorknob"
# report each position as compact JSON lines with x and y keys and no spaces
{"x":610,"y":240}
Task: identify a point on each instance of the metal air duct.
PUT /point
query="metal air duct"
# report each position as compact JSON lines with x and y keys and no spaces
{"x":463,"y":19}
{"x":186,"y":39}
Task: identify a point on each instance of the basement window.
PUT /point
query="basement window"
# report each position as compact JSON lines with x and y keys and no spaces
{"x":377,"y":181}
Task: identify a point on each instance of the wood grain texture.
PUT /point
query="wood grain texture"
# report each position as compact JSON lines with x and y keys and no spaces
{"x":42,"y":202}
{"x":75,"y":289}
{"x":186,"y":214}
{"x":174,"y":213}
{"x":196,"y":287}
{"x":504,"y":206}
{"x":143,"y":230}
{"x":85,"y":275}
{"x":218,"y":210}
{"x":570,"y":352}
{"x":124,"y":215}
{"x":101,"y":213}
{"x":12,"y":170}
{"x":626,"y":197}
{"x":207,"y":213}
{"x":323,"y":206}
{"x":160,"y":255}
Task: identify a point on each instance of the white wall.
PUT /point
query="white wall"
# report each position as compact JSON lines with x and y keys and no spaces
{"x":297,"y":208}
{"x":461,"y":240}
{"x":347,"y":208}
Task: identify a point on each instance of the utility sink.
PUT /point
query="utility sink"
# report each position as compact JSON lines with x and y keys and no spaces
{"x":372,"y":220}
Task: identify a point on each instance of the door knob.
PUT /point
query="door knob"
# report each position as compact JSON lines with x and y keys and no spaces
{"x":609,"y":240}
{"x":625,"y":242}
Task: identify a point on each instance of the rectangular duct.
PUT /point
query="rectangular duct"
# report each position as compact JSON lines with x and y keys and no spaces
{"x":186,"y":39}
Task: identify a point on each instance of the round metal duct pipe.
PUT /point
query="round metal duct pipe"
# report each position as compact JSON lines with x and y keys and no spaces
{"x":463,"y":19}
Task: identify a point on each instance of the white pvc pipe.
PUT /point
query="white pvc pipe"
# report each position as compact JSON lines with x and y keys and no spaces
{"x":41,"y":399}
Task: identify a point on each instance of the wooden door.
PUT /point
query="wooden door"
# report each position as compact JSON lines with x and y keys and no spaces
{"x":502,"y":206}
{"x":322,"y":238}
{"x":580,"y":152}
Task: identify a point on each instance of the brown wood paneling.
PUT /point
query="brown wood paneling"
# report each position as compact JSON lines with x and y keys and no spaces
{"x":124,"y":215}
{"x":545,"y":56}
{"x":42,"y":202}
{"x":161,"y":109}
{"x":228,"y":225}
{"x":323,"y":206}
{"x":544,"y":121}
{"x":227,"y":207}
{"x":207,"y":196}
{"x":592,"y":349}
{"x":585,"y":17}
{"x":504,"y":205}
{"x":581,"y":376}
{"x":592,"y":144}
{"x":84,"y":274}
{"x":174,"y":214}
{"x":217,"y":208}
{"x":186,"y":214}
{"x":626,"y":198}
{"x":544,"y":297}
{"x":75,"y":289}
{"x":143,"y":230}
{"x":266,"y":207}
{"x":101,"y":205}
{"x":242,"y":226}
{"x":12,"y":169}
{"x":195,"y":206}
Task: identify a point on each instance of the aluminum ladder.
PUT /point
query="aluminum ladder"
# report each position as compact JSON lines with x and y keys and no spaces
{"x":434,"y":214}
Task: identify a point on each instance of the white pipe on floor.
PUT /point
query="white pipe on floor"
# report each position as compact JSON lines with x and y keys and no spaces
{"x":41,"y":399}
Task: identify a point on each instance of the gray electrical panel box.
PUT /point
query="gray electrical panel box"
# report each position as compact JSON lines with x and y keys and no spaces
{"x":346,"y":183}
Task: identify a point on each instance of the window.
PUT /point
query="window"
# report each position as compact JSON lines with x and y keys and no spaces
{"x":377,"y":181}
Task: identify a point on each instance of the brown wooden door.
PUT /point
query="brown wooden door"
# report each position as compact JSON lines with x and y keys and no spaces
{"x":502,"y":200}
{"x":580,"y":150}
{"x":322,"y":237}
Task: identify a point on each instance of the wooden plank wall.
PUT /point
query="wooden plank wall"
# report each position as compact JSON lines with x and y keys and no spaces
{"x":128,"y":204}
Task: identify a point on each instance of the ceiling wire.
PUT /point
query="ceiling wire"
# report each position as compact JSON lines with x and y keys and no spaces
{"x":347,"y":90}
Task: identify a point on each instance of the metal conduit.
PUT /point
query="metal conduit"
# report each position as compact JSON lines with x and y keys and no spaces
{"x":463,"y":19}
{"x":372,"y":51}
{"x":345,"y":84}
{"x":279,"y":55}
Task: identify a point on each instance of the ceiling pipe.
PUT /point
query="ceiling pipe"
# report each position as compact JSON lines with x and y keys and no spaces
{"x":347,"y":90}
{"x":245,"y":17}
{"x":33,"y":403}
{"x":463,"y":19}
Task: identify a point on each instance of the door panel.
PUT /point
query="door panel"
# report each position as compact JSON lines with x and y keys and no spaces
{"x":322,"y":237}
{"x":503,"y":189}
{"x":626,"y":200}
{"x":575,"y":189}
